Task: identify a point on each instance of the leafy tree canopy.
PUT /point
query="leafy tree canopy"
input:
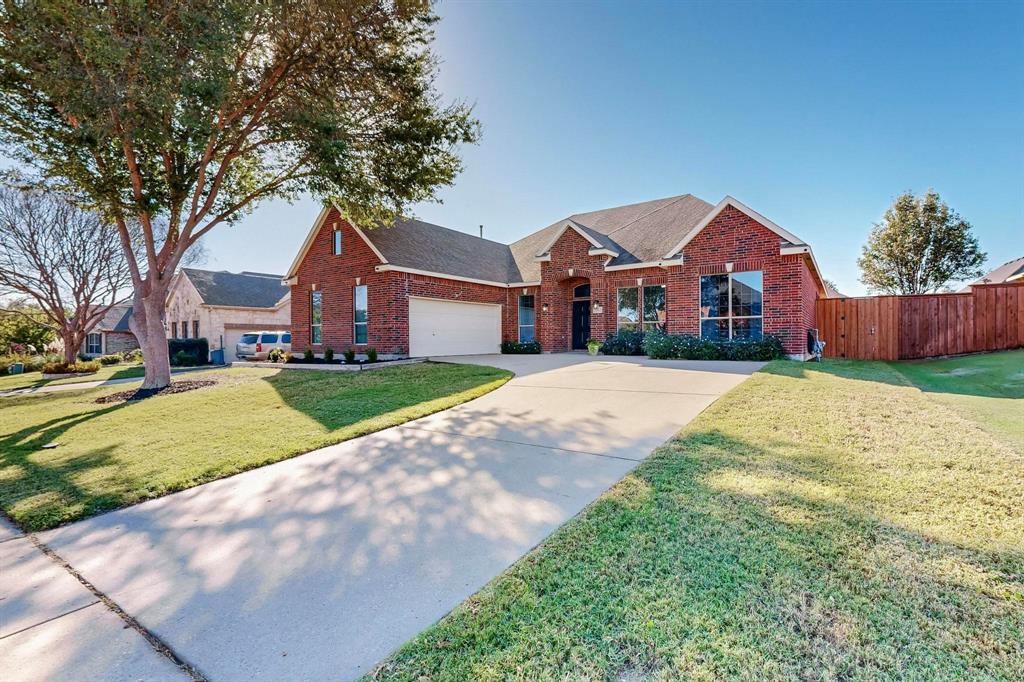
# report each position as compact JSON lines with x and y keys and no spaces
{"x":920,"y":246}
{"x":22,"y":324}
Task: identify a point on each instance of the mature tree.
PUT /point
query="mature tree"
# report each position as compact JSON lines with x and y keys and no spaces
{"x":24,"y":324}
{"x":197,"y":110}
{"x":65,"y":260}
{"x":920,"y":246}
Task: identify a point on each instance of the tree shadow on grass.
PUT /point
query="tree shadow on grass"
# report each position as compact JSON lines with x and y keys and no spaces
{"x":50,"y":482}
{"x":719,"y":559}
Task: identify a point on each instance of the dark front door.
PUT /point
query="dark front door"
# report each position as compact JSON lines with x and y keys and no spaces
{"x":580,"y":324}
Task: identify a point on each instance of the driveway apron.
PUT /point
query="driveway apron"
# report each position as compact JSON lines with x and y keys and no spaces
{"x":317,"y":567}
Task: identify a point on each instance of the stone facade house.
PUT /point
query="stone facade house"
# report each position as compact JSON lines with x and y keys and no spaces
{"x":220,"y":306}
{"x":679,"y":264}
{"x":111,"y":335}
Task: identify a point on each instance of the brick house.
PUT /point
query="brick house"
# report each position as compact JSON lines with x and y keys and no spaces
{"x":111,"y":334}
{"x":678,"y":264}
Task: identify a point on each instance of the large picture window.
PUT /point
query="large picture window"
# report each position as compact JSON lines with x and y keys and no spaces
{"x":730,"y":306}
{"x":94,"y":344}
{"x":360,"y":319}
{"x":315,"y":316}
{"x":640,"y":308}
{"x":527,"y":320}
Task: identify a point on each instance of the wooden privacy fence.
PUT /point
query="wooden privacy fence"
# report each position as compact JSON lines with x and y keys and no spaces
{"x":989,"y":317}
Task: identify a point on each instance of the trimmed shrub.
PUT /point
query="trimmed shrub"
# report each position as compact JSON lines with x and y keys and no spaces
{"x":133,"y":355}
{"x":184,"y":359}
{"x":109,"y":359}
{"x":199,"y":349}
{"x":624,"y":342}
{"x":61,"y":367}
{"x":328,"y":354}
{"x":371,"y":354}
{"x":520,"y":348}
{"x":276,"y":355}
{"x":687,"y":347}
{"x":308,"y":356}
{"x":350,"y":356}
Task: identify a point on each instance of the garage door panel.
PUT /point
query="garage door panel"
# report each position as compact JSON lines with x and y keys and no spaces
{"x":438,"y":327}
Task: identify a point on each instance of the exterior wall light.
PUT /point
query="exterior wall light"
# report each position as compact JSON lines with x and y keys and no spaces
{"x":597,"y":308}
{"x":544,"y":307}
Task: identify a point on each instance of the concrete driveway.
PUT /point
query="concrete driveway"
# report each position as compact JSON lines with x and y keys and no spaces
{"x":317,"y":567}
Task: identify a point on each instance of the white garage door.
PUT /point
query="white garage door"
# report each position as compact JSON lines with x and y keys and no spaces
{"x":439,"y":327}
{"x":231,"y":337}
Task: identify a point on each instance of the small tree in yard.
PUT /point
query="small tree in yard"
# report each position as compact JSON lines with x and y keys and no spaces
{"x":24,"y":324}
{"x":919,"y":247}
{"x":195,"y":111}
{"x":62,"y":258}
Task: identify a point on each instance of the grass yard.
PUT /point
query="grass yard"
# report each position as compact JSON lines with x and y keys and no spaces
{"x":117,"y":454}
{"x":820,"y":522}
{"x":33,"y":379}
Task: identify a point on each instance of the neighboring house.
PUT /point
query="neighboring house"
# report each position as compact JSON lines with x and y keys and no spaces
{"x":1010,"y":271}
{"x":679,"y":264}
{"x":220,"y":306}
{"x":111,"y":335}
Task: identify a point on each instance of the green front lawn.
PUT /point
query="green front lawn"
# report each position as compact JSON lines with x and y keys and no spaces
{"x":33,"y":379}
{"x":819,"y":522}
{"x":120,"y":453}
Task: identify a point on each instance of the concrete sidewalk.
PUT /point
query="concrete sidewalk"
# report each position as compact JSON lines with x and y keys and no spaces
{"x":54,"y":628}
{"x":316,"y":568}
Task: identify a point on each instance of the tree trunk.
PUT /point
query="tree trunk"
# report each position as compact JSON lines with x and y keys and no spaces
{"x":147,"y":323}
{"x":71,"y":344}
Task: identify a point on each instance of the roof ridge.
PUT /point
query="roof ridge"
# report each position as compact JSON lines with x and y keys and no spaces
{"x":641,"y":217}
{"x":450,"y":229}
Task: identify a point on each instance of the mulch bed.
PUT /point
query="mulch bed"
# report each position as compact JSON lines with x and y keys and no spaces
{"x":140,"y":394}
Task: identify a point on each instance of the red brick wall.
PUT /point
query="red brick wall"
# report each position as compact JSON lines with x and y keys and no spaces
{"x":735,"y":237}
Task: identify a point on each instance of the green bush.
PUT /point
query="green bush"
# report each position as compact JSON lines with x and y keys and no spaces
{"x":308,"y":355}
{"x":624,"y":342}
{"x":520,"y":348}
{"x":687,"y":347}
{"x":133,"y":355}
{"x":109,"y":359}
{"x":350,"y":356}
{"x":371,"y":354}
{"x":276,"y":355}
{"x":80,"y":367}
{"x":328,"y":354}
{"x":199,"y":349}
{"x":184,"y":359}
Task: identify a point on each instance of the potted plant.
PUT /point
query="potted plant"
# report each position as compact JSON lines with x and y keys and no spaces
{"x":593,"y":345}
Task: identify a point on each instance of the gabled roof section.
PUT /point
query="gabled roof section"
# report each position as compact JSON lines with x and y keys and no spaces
{"x":1010,"y":271}
{"x":743,"y":208}
{"x":115,"y":319}
{"x":237,"y":290}
{"x":598,"y":242}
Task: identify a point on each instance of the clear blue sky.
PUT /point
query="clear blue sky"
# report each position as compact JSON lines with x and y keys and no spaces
{"x":815,"y":115}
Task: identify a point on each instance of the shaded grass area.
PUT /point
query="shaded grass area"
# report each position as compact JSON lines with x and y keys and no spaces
{"x":818,"y":522}
{"x":118,"y":454}
{"x":33,"y":379}
{"x":987,"y":388}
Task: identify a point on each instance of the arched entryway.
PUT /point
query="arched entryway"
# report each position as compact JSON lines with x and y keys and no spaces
{"x":580,"y":314}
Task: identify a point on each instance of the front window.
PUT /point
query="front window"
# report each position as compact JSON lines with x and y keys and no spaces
{"x":174,"y":330}
{"x":359,"y":319}
{"x":94,"y":344}
{"x":731,"y":306}
{"x":641,"y":308}
{"x":527,"y":320}
{"x":184,"y":329}
{"x":315,"y":316}
{"x":337,"y":242}
{"x":195,"y":329}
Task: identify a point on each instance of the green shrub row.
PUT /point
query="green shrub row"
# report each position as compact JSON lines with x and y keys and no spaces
{"x":624,"y":342}
{"x":32,"y":363}
{"x":80,"y":367}
{"x":188,"y":352}
{"x":661,"y":346}
{"x":520,"y":347}
{"x":109,"y":359}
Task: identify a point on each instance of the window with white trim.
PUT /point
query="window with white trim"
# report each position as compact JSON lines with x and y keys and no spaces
{"x":315,"y":316}
{"x":336,"y":242}
{"x":527,"y":319}
{"x":94,"y":344}
{"x":360,"y":319}
{"x":731,"y":306}
{"x":640,"y":308}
